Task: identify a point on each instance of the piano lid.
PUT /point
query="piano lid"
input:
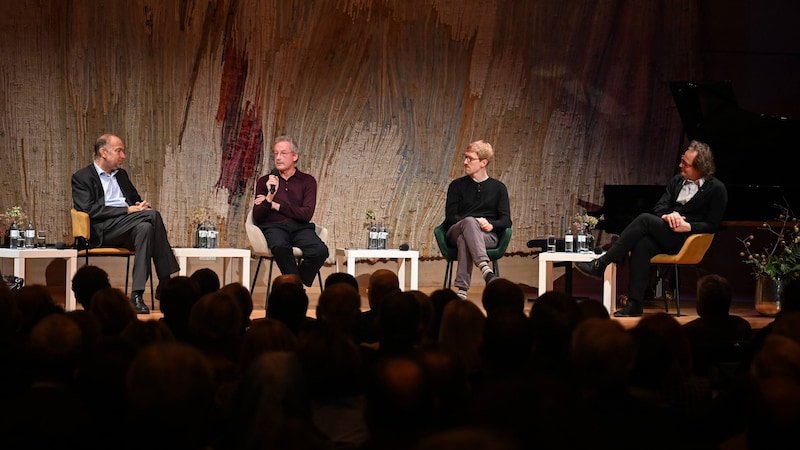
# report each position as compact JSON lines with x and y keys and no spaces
{"x":752,"y":151}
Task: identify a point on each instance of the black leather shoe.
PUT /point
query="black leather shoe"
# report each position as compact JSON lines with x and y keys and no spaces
{"x":138,"y":304}
{"x":632,"y":309}
{"x":489,"y":277}
{"x":594,"y":268}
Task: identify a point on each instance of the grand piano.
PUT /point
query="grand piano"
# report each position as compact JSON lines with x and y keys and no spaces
{"x":752,"y":152}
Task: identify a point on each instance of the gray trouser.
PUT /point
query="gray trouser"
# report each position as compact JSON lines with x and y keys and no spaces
{"x":471,"y":243}
{"x":144,"y":232}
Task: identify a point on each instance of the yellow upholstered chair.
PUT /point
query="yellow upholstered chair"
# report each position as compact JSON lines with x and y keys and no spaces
{"x":261,"y":249}
{"x":451,"y":253}
{"x":81,"y":232}
{"x":692,"y":252}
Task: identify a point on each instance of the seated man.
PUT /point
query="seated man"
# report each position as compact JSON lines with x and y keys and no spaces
{"x":285,"y":202}
{"x":120,"y":218}
{"x":477,"y":212}
{"x":694,"y":202}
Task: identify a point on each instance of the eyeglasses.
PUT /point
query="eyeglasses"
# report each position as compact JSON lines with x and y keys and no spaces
{"x":470,"y":159}
{"x":283,"y":154}
{"x":685,"y":163}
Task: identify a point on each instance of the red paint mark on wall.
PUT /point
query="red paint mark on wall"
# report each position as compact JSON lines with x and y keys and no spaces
{"x":242,"y":135}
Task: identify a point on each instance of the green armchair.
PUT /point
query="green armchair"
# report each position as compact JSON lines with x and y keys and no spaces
{"x":451,"y":253}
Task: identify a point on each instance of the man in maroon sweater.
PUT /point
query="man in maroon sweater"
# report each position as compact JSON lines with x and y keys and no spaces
{"x":284,"y":205}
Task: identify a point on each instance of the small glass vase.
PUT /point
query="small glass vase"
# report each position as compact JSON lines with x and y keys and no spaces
{"x":768,"y":295}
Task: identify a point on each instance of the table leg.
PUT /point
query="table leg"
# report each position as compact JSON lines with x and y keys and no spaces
{"x":245,"y":271}
{"x":414,"y":274}
{"x":19,"y":267}
{"x":351,"y":265}
{"x":610,"y":287}
{"x":545,"y":276}
{"x":182,"y":265}
{"x":72,"y":267}
{"x":401,"y":272}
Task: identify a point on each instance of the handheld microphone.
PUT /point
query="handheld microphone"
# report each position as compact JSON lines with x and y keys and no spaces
{"x":275,"y":172}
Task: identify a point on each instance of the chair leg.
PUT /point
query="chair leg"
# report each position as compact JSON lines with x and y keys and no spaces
{"x":152,"y":294}
{"x":269,"y":282}
{"x":677,"y":290}
{"x":319,"y":277}
{"x":127,"y":273}
{"x":496,"y":268}
{"x":448,"y":275}
{"x":255,"y":277}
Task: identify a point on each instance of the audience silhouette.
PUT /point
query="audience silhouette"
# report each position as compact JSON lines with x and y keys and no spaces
{"x":440,"y":373}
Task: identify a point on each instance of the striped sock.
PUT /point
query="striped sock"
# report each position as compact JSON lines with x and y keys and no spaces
{"x":484,"y":266}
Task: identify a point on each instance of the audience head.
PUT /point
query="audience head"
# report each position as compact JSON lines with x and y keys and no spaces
{"x":34,"y":302}
{"x":664,"y":352}
{"x":341,"y":277}
{"x":288,"y":302}
{"x":86,"y":281}
{"x":503,"y":294}
{"x":266,"y":335}
{"x":178,"y":295}
{"x":507,"y":342}
{"x":9,"y":313}
{"x":171,"y":384}
{"x":141,"y":333}
{"x":207,"y":279}
{"x":775,"y":375}
{"x":439,"y":299}
{"x":398,"y":323}
{"x":332,"y":363}
{"x":592,"y":308}
{"x":554,"y":316}
{"x":603,"y":353}
{"x":55,"y":345}
{"x":215,"y":325}
{"x":426,"y":313}
{"x":113,"y":310}
{"x":714,"y":296}
{"x":272,"y":395}
{"x":339,"y":306}
{"x":461,"y":333}
{"x":400,"y":403}
{"x":241,"y":295}
{"x":382,"y":282}
{"x":289,"y":278}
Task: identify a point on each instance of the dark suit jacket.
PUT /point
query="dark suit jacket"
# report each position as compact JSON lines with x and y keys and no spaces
{"x":704,"y":211}
{"x":88,"y":196}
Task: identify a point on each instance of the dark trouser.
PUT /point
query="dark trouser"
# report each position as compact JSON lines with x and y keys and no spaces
{"x":472,"y":243}
{"x":282,"y":237}
{"x":143,"y":232}
{"x":645,"y":237}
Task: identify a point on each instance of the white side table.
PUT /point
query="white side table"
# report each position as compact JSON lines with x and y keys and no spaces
{"x":68,"y":254}
{"x":352,"y":254}
{"x":184,"y":253}
{"x":546,"y":260}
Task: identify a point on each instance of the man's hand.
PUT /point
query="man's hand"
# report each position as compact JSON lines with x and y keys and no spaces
{"x":485,"y":225}
{"x":260,"y":199}
{"x":677,"y":222}
{"x":139,"y":206}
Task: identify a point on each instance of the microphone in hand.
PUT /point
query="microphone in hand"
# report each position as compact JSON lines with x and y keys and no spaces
{"x":275,"y":172}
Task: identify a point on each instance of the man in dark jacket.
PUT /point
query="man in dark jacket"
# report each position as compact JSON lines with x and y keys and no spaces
{"x":120,"y":218}
{"x":693,"y":202}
